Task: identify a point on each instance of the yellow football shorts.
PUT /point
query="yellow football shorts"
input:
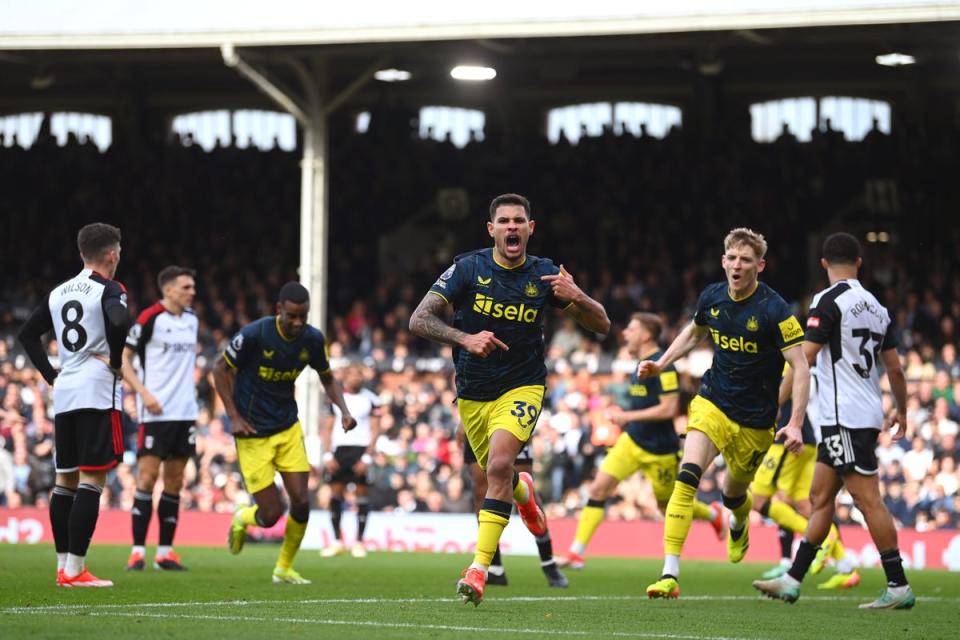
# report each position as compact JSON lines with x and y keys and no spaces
{"x":743,"y":448}
{"x":627,"y":457}
{"x":515,"y":411}
{"x":787,"y":472}
{"x":261,"y":458}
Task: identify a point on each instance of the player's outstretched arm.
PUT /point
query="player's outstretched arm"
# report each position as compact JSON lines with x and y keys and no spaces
{"x":30,"y":335}
{"x":427,"y":323}
{"x":800,"y":392}
{"x":587,"y":312}
{"x":898,"y":385}
{"x":683,"y":344}
{"x":332,"y":387}
{"x":224,"y":380}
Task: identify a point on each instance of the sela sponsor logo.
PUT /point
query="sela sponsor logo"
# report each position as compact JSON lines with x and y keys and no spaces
{"x":486,"y":305}
{"x":733,"y":343}
{"x":278,"y":375}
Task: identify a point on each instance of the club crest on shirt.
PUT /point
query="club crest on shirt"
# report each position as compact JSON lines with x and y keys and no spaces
{"x":531,"y":290}
{"x":753,"y":324}
{"x":304,"y":355}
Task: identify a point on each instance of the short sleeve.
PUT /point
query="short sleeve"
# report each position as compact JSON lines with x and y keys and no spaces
{"x":891,"y":340}
{"x":789,"y":331}
{"x":135,"y":336}
{"x":452,"y":283}
{"x":319,"y":355}
{"x":823,"y":316}
{"x":700,"y":315}
{"x":669,"y":382}
{"x":242,"y":347}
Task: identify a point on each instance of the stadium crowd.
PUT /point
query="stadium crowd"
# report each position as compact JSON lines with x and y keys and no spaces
{"x":655,"y":210}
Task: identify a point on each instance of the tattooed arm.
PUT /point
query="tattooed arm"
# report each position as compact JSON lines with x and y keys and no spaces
{"x":427,"y":323}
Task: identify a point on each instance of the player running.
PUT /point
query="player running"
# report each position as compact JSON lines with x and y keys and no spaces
{"x":499,"y":296}
{"x":496,"y":575}
{"x":860,"y":341}
{"x":752,"y":330}
{"x":781,"y":492}
{"x":649,"y":442}
{"x":255,"y":379}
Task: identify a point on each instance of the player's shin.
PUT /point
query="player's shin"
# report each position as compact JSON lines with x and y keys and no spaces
{"x":83,"y":522}
{"x":61,"y":502}
{"x":168,"y":511}
{"x":739,"y":507}
{"x":141,"y":513}
{"x":363,"y":512}
{"x":806,"y":552}
{"x":336,"y":513}
{"x":293,"y":535}
{"x":493,"y":517}
{"x":680,"y":509}
{"x":590,"y":520}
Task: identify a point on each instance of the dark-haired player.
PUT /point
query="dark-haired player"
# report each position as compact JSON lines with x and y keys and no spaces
{"x":734,"y":412}
{"x":164,"y":340}
{"x":255,"y":379}
{"x":860,"y":341}
{"x":499,"y":296}
{"x":88,"y":315}
{"x":496,"y":574}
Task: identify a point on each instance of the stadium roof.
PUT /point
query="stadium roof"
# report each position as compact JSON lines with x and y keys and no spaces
{"x":106,"y":55}
{"x":114,"y":24}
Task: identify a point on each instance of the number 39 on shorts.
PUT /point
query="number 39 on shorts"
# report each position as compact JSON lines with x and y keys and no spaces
{"x":525,"y":413}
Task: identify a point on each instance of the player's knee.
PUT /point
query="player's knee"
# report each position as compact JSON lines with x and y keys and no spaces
{"x":733,"y":502}
{"x":689,"y":474}
{"x":147,"y":480}
{"x":269,"y":514}
{"x":300,"y":511}
{"x":173,"y":483}
{"x":500,"y":469}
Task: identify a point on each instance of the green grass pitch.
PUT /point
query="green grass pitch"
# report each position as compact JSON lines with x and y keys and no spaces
{"x":412,"y":596}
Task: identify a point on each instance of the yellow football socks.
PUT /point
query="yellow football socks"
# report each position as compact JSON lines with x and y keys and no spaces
{"x":702,"y":511}
{"x":493,"y":517}
{"x":741,"y":513}
{"x":590,"y":519}
{"x":520,"y":493}
{"x":787,"y":517}
{"x":248,"y":515}
{"x":837,"y":552}
{"x":679,"y":514}
{"x":292,"y":537}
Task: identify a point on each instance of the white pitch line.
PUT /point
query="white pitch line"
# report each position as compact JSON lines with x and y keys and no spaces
{"x":400,"y":625}
{"x":333,"y":601}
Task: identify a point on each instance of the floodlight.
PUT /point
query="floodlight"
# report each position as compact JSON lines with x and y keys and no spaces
{"x":392,"y":75}
{"x":895,"y":59}
{"x":473,"y":73}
